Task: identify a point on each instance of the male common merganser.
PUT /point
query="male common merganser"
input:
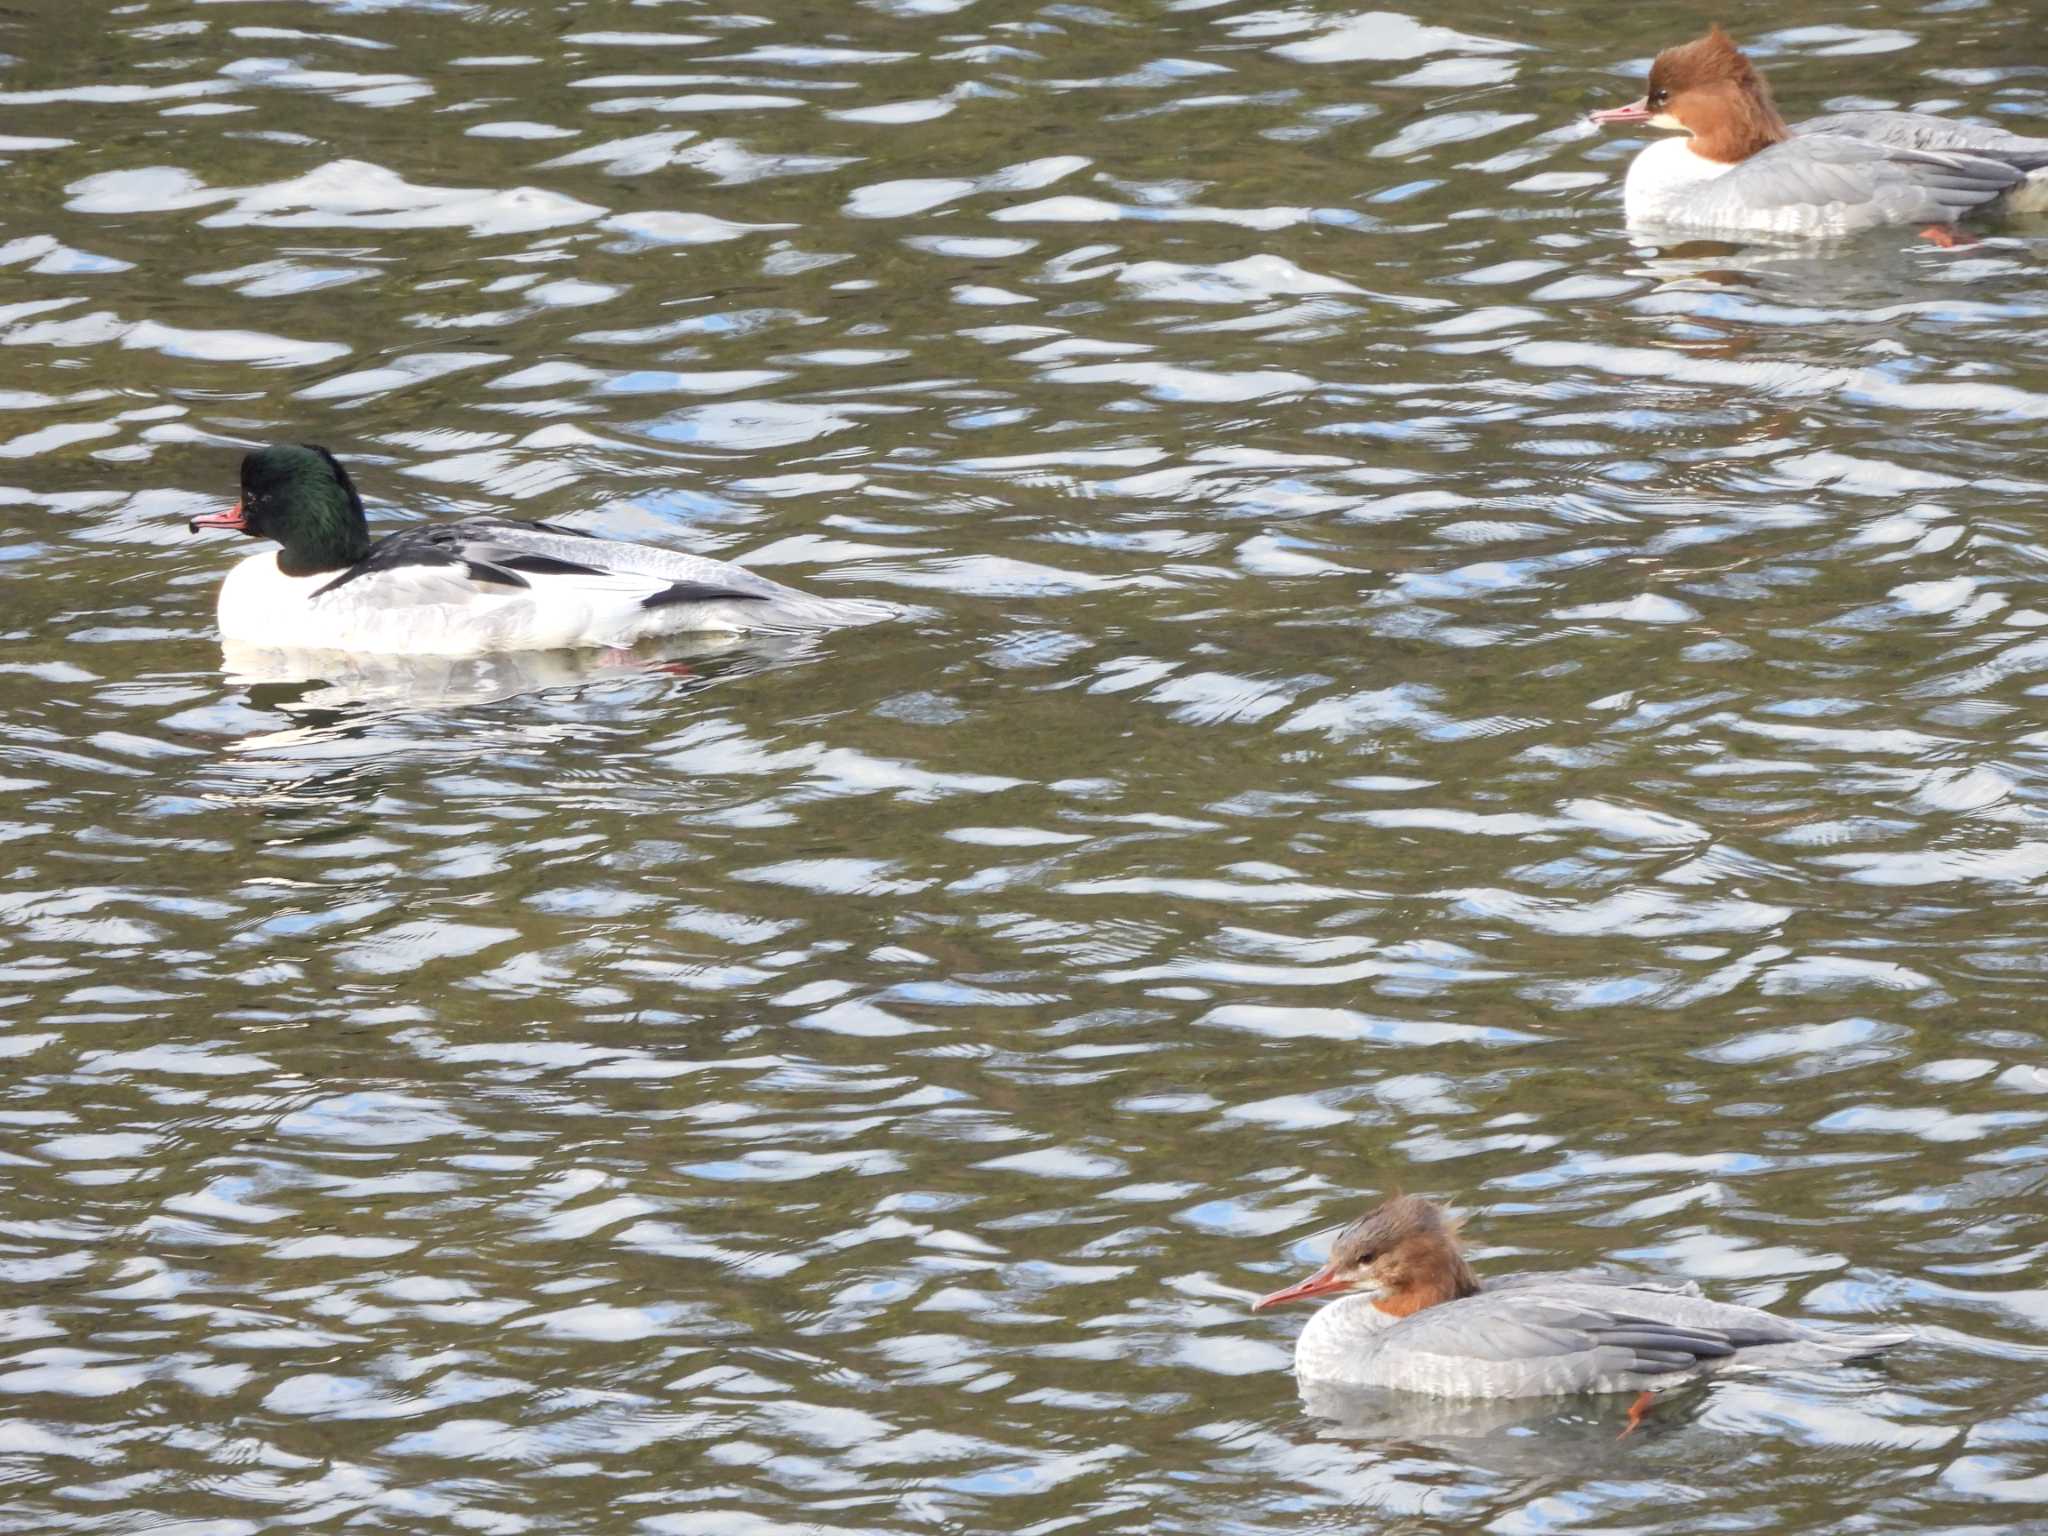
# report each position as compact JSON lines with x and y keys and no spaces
{"x":1740,"y":168}
{"x":1425,"y":1325}
{"x":470,"y":588}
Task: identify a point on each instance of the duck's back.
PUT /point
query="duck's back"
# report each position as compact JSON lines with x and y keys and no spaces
{"x":1543,"y":1335}
{"x":1827,"y":184}
{"x":1925,"y":131}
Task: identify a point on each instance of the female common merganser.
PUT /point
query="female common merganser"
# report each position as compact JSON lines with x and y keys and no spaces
{"x":1741,"y":168}
{"x":484,"y":584}
{"x":1426,"y":1326}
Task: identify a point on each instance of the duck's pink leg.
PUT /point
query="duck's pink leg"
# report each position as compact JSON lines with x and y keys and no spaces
{"x":1947,"y":236}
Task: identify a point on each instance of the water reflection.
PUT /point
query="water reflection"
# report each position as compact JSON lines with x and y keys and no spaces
{"x":328,"y":692}
{"x":1507,"y":1436}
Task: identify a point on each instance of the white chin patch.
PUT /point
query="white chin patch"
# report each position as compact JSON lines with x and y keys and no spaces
{"x":1668,"y":123}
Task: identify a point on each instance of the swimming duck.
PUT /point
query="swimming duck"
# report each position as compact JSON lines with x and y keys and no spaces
{"x":1422,"y":1323}
{"x":1740,"y":167}
{"x":473,"y":587}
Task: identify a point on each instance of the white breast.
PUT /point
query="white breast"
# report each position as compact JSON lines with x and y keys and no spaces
{"x":262,"y":605}
{"x":1336,"y":1341}
{"x":1662,"y":177}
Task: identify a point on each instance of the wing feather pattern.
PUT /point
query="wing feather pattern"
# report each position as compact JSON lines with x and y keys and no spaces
{"x":1573,"y":1338}
{"x":490,"y":583}
{"x":1861,"y":182}
{"x":1921,"y":130}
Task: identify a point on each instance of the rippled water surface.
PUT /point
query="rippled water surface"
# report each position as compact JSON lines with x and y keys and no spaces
{"x":1405,"y":687}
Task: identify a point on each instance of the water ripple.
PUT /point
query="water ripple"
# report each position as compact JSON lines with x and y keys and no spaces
{"x":1408,"y":689}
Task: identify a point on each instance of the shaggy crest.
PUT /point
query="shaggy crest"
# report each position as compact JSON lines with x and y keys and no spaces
{"x":1710,"y":60}
{"x":1710,"y":87}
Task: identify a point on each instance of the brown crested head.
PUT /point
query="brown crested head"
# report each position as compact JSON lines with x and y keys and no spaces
{"x":1405,"y":1251}
{"x":1710,"y":88}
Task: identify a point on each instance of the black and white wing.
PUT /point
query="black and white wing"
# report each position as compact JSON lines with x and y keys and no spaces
{"x":532,"y":583}
{"x":444,"y":562}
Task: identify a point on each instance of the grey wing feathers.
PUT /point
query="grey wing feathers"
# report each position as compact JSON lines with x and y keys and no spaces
{"x":1869,"y":183}
{"x":1676,"y":1344}
{"x":1567,"y":1325}
{"x":1607,"y":1278}
{"x":1570,"y":1338}
{"x":1920,"y":130}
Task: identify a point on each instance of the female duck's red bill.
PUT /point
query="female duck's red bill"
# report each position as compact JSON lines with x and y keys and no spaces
{"x":1323,"y":1282}
{"x":1637,"y":111}
{"x":232,"y":518}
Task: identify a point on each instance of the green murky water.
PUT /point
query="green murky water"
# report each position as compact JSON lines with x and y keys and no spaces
{"x":1407,"y":687}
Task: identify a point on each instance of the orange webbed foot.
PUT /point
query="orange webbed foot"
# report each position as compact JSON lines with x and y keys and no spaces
{"x":1636,"y":1410}
{"x":1948,"y":237}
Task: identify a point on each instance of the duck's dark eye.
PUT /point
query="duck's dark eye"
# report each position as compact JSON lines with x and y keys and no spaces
{"x":1658,"y":98}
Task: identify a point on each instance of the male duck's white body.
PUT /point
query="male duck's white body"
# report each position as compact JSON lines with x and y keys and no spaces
{"x":1741,"y":169}
{"x":606,"y":594}
{"x":1426,"y":1325}
{"x":473,"y":587}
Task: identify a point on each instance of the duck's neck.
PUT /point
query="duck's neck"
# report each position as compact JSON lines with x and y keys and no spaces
{"x":326,"y":531}
{"x":1745,"y":123}
{"x":1437,"y":1274}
